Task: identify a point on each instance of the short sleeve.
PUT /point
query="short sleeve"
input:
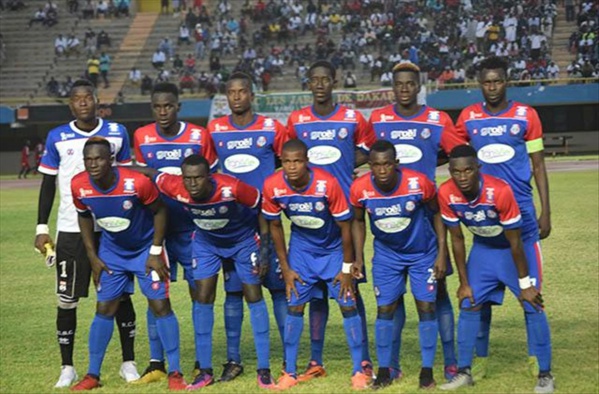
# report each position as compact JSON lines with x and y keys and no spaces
{"x":146,"y":191}
{"x":50,"y":159}
{"x":507,"y":207}
{"x":534,"y":132}
{"x":281,"y":136}
{"x":247,"y":195}
{"x":208,"y":149}
{"x":447,"y":213}
{"x":429,"y":190}
{"x":123,"y":156}
{"x":354,"y":195}
{"x":291,"y":133}
{"x":337,"y":202}
{"x":458,"y":135}
{"x":449,"y":138}
{"x":139,"y":158}
{"x":364,"y":136}
{"x":270,"y":209}
{"x":79,"y":205}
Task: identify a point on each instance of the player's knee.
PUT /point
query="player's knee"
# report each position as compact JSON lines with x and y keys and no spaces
{"x":107,"y":308}
{"x":474,"y":308}
{"x":349,"y":311}
{"x":426,"y":310}
{"x":252,"y":293}
{"x":296,"y":310}
{"x":385,"y":312}
{"x":67,"y":303}
{"x":160,"y":308}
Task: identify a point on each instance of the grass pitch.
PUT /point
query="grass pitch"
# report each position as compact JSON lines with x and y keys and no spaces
{"x":29,"y":356}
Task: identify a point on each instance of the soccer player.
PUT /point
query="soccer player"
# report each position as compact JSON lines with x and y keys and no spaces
{"x":406,"y":244}
{"x":163,"y":145}
{"x":127,"y":206}
{"x":498,"y":258}
{"x":62,"y":159}
{"x":338,"y":139}
{"x":320,"y":250}
{"x":224,"y":210}
{"x":419,"y":134}
{"x":248,"y":146}
{"x":507,"y":136}
{"x":25,"y":167}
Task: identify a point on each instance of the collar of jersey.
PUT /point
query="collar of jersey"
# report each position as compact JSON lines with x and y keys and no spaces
{"x":87,"y":133}
{"x":417,"y":114}
{"x":242,"y":127}
{"x":326,"y":116}
{"x":111,"y":188}
{"x":170,"y":138}
{"x":399,"y":177}
{"x":305,"y":187}
{"x":509,"y":106}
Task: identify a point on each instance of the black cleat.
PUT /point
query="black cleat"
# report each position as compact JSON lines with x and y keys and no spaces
{"x":383,"y":379}
{"x":231,"y":371}
{"x":426,"y":379}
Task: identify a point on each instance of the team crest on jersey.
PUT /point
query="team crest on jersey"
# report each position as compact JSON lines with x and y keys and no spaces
{"x":413,"y":183}
{"x":521,"y":111}
{"x":129,"y":185}
{"x":319,"y":206}
{"x":304,"y":118}
{"x":196,"y":134}
{"x":269,"y":123}
{"x":226,"y":192}
{"x":350,"y":114}
{"x":515,"y":129}
{"x":410,"y":206}
{"x":426,"y":133}
{"x":223,"y":209}
{"x":127,"y":205}
{"x":261,"y":141}
{"x":321,"y":187}
{"x":491,"y":214}
{"x":490,"y":191}
{"x":434,"y":116}
{"x":342,"y":133}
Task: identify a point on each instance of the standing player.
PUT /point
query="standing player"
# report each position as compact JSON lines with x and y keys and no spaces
{"x":419,"y":133}
{"x":247,"y":145}
{"x":507,"y":135}
{"x":162,"y":146}
{"x":63,"y":158}
{"x":486,"y":206}
{"x":38,"y":152}
{"x":25,"y":167}
{"x":320,"y":251}
{"x":224,"y":210}
{"x":405,"y":244}
{"x":127,"y":206}
{"x":338,"y":140}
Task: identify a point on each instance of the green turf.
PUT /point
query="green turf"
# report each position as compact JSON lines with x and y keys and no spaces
{"x":29,"y":357}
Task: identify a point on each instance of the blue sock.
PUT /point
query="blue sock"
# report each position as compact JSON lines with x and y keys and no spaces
{"x":294,"y":325}
{"x":446,"y":329}
{"x":383,"y":337}
{"x":279,"y":306}
{"x":538,"y":327}
{"x":168,"y":330}
{"x":203,"y":323}
{"x":399,"y":320}
{"x":156,"y":350}
{"x":468,"y":326}
{"x":482,"y":338}
{"x":195,"y":337}
{"x":362,"y":313}
{"x":233,"y":322}
{"x":260,"y":326}
{"x":99,"y":337}
{"x":352,"y":324}
{"x":428,"y":329}
{"x":319,"y":315}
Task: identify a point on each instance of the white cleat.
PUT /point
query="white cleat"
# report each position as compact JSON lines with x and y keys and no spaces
{"x":68,"y":376}
{"x":545,"y":384}
{"x":129,"y":371}
{"x":460,"y":380}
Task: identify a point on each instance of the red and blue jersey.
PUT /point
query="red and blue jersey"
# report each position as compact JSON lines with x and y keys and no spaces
{"x":332,"y":139}
{"x":398,"y":219}
{"x":248,"y":152}
{"x":313,"y":211}
{"x":493,"y":211}
{"x":166,"y":154}
{"x":227,"y":217}
{"x":417,"y":138}
{"x":121,"y":211}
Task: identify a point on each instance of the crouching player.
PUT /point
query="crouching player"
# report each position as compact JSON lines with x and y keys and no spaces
{"x":127,"y":207}
{"x":320,"y":250}
{"x":487,"y":207}
{"x":224,"y":210}
{"x":405,"y":244}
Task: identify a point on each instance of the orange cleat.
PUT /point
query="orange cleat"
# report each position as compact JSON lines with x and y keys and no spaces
{"x":286,"y":381}
{"x":314,"y":370}
{"x":176,"y":381}
{"x":360,"y":381}
{"x":89,"y":382}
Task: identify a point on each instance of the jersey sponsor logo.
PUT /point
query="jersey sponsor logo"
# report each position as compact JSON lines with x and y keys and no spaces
{"x":113,"y":128}
{"x":477,"y":216}
{"x":114,"y":224}
{"x":408,"y":154}
{"x":393,"y":210}
{"x":323,"y":135}
{"x":219,"y":127}
{"x":196,"y":134}
{"x":474,"y":115}
{"x":179,"y":197}
{"x":455,"y":199}
{"x":385,"y":118}
{"x":245,"y":143}
{"x":496,"y":153}
{"x":66,"y":136}
{"x":515,"y":129}
{"x":204,"y":212}
{"x":343,"y":133}
{"x":323,"y":155}
{"x":434,"y":116}
{"x":413,"y":183}
{"x":319,"y":206}
{"x":127,"y":205}
{"x":301,"y":207}
{"x":261,"y":141}
{"x":426,"y":133}
{"x":408,"y":134}
{"x":241,"y":163}
{"x":173,"y":154}
{"x":188,"y":152}
{"x":367,"y":194}
{"x":129,"y":185}
{"x":392,"y":225}
{"x":211,"y":224}
{"x":493,"y":131}
{"x":309,"y":222}
{"x":486,"y":231}
{"x":269,"y":123}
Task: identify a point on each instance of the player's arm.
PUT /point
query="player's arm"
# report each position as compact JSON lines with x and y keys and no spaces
{"x":147,"y":171}
{"x":155,"y":261}
{"x":458,"y":248}
{"x":358,"y":231}
{"x":360,"y":157}
{"x":542,"y":183}
{"x":440,"y":267}
{"x":44,"y":208}
{"x":347,"y":289}
{"x":528,"y":292}
{"x":364,"y":138}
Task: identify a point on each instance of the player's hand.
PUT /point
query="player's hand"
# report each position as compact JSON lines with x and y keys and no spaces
{"x":263,"y":260}
{"x":347,"y":289}
{"x":290,"y":277}
{"x":544,"y":223}
{"x":155,"y":263}
{"x":533,"y":297}
{"x":440,"y":267}
{"x":97,"y":267}
{"x":41,"y":241}
{"x":357,"y":269}
{"x":465,"y":291}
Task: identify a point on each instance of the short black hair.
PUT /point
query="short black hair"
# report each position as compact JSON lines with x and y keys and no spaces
{"x":166,"y":87}
{"x":97,"y":141}
{"x":243,"y":76}
{"x":462,"y":151}
{"x":381,"y":146}
{"x":324,"y":64}
{"x":295,"y":145}
{"x":493,"y":63}
{"x":85,"y":83}
{"x":196,"y":160}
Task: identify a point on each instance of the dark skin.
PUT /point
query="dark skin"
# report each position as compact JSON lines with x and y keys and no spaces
{"x":98,"y":161}
{"x":384,"y":169}
{"x":465,"y":174}
{"x":82,"y":102}
{"x":165,"y":108}
{"x":295,"y":166}
{"x":493,"y":83}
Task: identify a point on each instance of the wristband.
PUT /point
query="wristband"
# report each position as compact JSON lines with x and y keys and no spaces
{"x":524,"y":282}
{"x":42,"y":229}
{"x":346,"y":269}
{"x":155,"y":250}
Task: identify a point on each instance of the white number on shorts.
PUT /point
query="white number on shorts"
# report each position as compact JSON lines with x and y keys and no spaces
{"x":63,"y":269}
{"x":431,"y":279}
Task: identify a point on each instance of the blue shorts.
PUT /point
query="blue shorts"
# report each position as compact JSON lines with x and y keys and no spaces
{"x":389,"y":277}
{"x":317,"y":271}
{"x":178,"y":250}
{"x":272,"y":281}
{"x":207,"y":260}
{"x":490,"y":270}
{"x":124,"y":269}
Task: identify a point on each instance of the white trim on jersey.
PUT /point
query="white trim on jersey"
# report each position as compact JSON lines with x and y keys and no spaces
{"x":511,"y":221}
{"x":453,"y":220}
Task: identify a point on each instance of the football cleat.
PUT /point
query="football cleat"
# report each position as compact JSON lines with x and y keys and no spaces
{"x":204,"y":378}
{"x":88,"y":382}
{"x":265,"y":379}
{"x":231,"y":370}
{"x":383,"y":378}
{"x":314,"y":370}
{"x":155,"y":372}
{"x":286,"y":381}
{"x":129,"y":371}
{"x":367,"y":368}
{"x":450,"y":372}
{"x":67,"y":377}
{"x":545,"y":384}
{"x":176,"y":381}
{"x":426,"y":380}
{"x":461,"y":379}
{"x":360,"y":381}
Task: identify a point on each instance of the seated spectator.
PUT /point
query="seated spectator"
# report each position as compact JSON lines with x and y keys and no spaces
{"x":553,"y":71}
{"x":60,"y":45}
{"x":203,"y":80}
{"x":102,"y":9}
{"x":214,"y":63}
{"x":166,"y":46}
{"x":73,"y":46}
{"x":459,"y":75}
{"x":15,"y":5}
{"x":349,"y":80}
{"x":89,"y":10}
{"x":446,"y":76}
{"x":265,"y":78}
{"x":277,"y":65}
{"x":65,"y":88}
{"x":163,"y":76}
{"x":52,"y":87}
{"x":103,"y":39}
{"x":158,"y":59}
{"x":122,"y":8}
{"x":38,"y":17}
{"x":587,"y":70}
{"x":187,"y":81}
{"x":146,"y":85}
{"x":386,"y":78}
{"x":51,"y":17}
{"x":183,"y":35}
{"x":90,"y":41}
{"x":134,"y":77}
{"x":190,"y":64}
